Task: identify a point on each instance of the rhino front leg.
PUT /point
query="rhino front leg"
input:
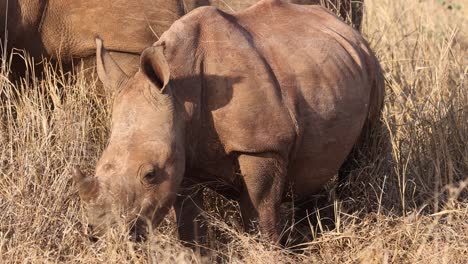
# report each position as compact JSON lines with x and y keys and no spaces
{"x":264,"y":177}
{"x":190,"y":221}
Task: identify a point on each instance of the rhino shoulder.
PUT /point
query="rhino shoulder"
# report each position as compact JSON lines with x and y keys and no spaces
{"x":190,"y":26}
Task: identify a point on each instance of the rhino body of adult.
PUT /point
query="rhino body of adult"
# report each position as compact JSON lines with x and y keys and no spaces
{"x":64,"y":30}
{"x":255,"y":101}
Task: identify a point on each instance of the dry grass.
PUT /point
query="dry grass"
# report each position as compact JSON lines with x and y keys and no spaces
{"x":409,"y":206}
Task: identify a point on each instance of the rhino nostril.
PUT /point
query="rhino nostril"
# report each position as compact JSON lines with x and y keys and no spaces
{"x":137,"y":235}
{"x":138,"y":231}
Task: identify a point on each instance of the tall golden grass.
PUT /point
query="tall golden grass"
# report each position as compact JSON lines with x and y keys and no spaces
{"x":405,"y":206}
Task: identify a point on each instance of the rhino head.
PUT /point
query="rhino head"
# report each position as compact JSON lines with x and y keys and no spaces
{"x":139,"y":173}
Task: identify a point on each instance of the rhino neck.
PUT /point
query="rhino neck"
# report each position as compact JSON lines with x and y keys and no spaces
{"x":188,"y":99}
{"x":187,"y":89}
{"x":185,"y":53}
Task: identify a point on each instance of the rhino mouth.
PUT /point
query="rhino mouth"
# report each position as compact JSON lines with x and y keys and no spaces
{"x":139,"y":231}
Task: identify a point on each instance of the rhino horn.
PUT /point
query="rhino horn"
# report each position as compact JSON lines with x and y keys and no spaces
{"x":87,"y":186}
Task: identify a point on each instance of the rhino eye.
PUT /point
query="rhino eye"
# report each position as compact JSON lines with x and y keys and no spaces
{"x":151,"y":177}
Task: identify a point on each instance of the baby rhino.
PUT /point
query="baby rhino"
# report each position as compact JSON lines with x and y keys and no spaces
{"x":270,"y":99}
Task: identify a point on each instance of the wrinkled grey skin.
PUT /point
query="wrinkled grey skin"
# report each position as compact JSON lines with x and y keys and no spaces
{"x":64,"y":30}
{"x":241,"y":103}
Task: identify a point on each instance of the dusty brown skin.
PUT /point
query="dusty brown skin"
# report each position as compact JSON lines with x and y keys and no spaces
{"x":252,"y":103}
{"x":63,"y":30}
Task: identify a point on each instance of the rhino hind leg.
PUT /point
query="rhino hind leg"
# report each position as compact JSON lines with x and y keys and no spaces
{"x":264,"y":178}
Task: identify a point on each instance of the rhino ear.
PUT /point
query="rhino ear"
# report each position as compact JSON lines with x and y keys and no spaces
{"x":109,"y":72}
{"x":87,"y":186}
{"x":154,"y":65}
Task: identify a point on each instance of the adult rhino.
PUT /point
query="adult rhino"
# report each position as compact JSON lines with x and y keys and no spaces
{"x":63,"y":30}
{"x":254,"y":101}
